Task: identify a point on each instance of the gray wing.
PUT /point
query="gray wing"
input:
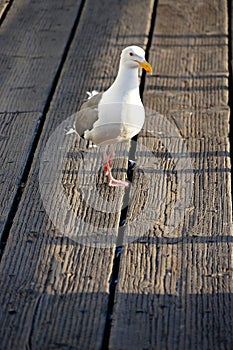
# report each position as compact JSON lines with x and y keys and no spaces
{"x":87,"y":115}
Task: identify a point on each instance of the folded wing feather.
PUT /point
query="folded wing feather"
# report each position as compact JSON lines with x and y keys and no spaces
{"x":87,"y":115}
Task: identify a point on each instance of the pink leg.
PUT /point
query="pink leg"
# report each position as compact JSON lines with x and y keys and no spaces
{"x":108,"y":159}
{"x":108,"y":167}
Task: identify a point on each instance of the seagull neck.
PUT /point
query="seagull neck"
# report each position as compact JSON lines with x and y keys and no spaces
{"x":129,"y":75}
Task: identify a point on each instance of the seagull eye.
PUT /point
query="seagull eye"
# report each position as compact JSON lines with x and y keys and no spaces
{"x":131,"y":54}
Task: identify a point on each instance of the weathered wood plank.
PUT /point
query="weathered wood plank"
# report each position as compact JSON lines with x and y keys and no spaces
{"x":38,"y":33}
{"x":54,"y":291}
{"x":175,"y":282}
{"x":16,"y":137}
{"x":32,"y":43}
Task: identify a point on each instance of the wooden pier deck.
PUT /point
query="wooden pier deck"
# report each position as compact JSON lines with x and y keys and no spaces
{"x":148,"y":268}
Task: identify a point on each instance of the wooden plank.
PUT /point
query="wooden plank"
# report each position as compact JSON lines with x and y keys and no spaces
{"x":32,"y":42}
{"x":175,"y":285}
{"x":39,"y":32}
{"x":16,"y":138}
{"x":54,"y":290}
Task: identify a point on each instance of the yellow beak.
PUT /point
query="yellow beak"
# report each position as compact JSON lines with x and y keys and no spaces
{"x":145,"y":65}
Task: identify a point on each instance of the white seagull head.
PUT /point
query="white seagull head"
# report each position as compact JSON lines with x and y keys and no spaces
{"x":134,"y":57}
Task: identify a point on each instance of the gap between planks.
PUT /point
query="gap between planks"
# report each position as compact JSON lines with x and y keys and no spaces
{"x":124,"y":211}
{"x":28,"y":163}
{"x":4,"y":8}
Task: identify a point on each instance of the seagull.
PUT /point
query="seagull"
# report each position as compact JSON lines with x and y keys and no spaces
{"x":117,"y":114}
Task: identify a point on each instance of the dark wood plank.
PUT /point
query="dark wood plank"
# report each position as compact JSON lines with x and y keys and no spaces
{"x":16,"y":137}
{"x":175,"y":282}
{"x":39,"y":32}
{"x":32,"y":43}
{"x":54,"y":290}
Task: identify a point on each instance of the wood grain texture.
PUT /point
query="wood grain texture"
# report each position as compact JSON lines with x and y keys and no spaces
{"x":17,"y":132}
{"x":175,"y":281}
{"x":38,"y":33}
{"x":54,"y":290}
{"x":33,"y":38}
